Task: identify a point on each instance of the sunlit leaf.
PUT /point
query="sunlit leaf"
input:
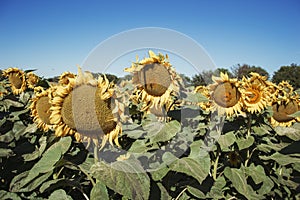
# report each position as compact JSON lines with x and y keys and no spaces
{"x":244,"y":143}
{"x":59,"y":195}
{"x":225,"y":141}
{"x":239,"y":182}
{"x":164,"y":195}
{"x":282,"y":159}
{"x":167,"y":132}
{"x":9,"y":195}
{"x":124,"y":177}
{"x":193,"y":168}
{"x":6,"y":153}
{"x":195,"y":192}
{"x":99,"y":191}
{"x":289,"y":132}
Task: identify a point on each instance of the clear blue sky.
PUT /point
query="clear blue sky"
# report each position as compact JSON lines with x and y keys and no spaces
{"x":54,"y":36}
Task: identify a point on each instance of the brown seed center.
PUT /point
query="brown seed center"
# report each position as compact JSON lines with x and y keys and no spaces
{"x":281,"y":112}
{"x":15,"y":79}
{"x":155,"y":79}
{"x":84,"y":111}
{"x":253,"y":96}
{"x":226,"y":95}
{"x":43,"y":109}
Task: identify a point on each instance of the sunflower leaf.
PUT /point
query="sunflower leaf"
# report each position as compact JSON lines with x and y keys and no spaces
{"x":239,"y":182}
{"x":9,"y":195}
{"x":295,"y":115}
{"x":244,"y":143}
{"x":290,"y":132}
{"x":99,"y":190}
{"x":192,"y":167}
{"x":167,"y":132}
{"x":6,"y":153}
{"x":195,"y":192}
{"x":225,"y":141}
{"x":126,"y":177}
{"x":59,"y":195}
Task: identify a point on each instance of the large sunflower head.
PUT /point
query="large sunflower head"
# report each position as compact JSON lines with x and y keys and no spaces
{"x":255,"y":95}
{"x":83,"y":108}
{"x":258,"y":79}
{"x":225,"y":95}
{"x":156,"y":80}
{"x":64,"y":78}
{"x":16,"y":78}
{"x":40,"y":108}
{"x":32,"y":80}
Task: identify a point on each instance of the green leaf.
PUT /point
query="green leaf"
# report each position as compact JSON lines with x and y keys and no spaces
{"x":8,"y":103}
{"x":281,"y":159}
{"x":49,"y":158}
{"x":59,"y":195}
{"x":261,"y":130}
{"x":295,"y":115}
{"x":198,"y":150}
{"x":258,"y":175}
{"x":127,"y":178}
{"x":160,"y":173}
{"x":6,"y":153}
{"x":196,"y":193}
{"x":34,"y":183}
{"x":9,"y":195}
{"x":164,"y":195}
{"x":216,"y":191}
{"x":225,"y":141}
{"x":193,"y":168}
{"x":7,"y":137}
{"x":244,"y":143}
{"x":290,"y":132}
{"x":99,"y":191}
{"x":196,"y":98}
{"x":239,"y":182}
{"x":167,"y":132}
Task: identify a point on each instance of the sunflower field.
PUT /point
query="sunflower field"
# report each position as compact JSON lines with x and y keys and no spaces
{"x":148,"y":137}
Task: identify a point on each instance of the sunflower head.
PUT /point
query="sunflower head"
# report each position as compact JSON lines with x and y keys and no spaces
{"x":16,"y":78}
{"x":285,"y":105}
{"x":225,"y":95}
{"x":155,"y":79}
{"x":40,"y":108}
{"x":32,"y":80}
{"x":83,"y":108}
{"x":255,"y":95}
{"x":64,"y":78}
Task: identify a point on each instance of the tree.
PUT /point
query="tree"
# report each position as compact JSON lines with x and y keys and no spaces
{"x":290,"y":73}
{"x":244,"y":70}
{"x":205,"y":77}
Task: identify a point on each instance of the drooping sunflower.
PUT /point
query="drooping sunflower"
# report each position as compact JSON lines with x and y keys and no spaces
{"x":17,"y":79}
{"x":225,"y":95}
{"x":255,"y":95}
{"x":64,"y":78}
{"x":285,"y":103}
{"x":205,"y":105}
{"x":31,"y":80}
{"x":258,"y":79}
{"x":84,"y":108}
{"x":155,"y":79}
{"x":40,"y":108}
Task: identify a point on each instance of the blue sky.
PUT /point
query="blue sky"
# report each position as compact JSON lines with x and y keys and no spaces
{"x":54,"y":36}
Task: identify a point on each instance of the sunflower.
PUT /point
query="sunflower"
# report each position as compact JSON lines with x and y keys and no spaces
{"x":83,"y":108}
{"x":17,"y":80}
{"x":225,"y":95}
{"x":285,"y":103}
{"x":255,"y":95}
{"x":155,"y":79}
{"x":234,"y":159}
{"x":258,"y":79}
{"x":205,"y":105}
{"x":31,"y":80}
{"x":40,"y":108}
{"x":64,"y":78}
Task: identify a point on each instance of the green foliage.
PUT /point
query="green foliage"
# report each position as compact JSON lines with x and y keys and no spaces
{"x":290,"y":73}
{"x":188,"y":155}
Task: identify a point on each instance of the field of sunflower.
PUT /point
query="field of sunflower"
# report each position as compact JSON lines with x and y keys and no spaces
{"x":149,"y":137}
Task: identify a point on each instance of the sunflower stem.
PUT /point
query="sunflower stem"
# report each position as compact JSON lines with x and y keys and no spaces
{"x":248,"y":135}
{"x":216,"y":166}
{"x":96,"y":154}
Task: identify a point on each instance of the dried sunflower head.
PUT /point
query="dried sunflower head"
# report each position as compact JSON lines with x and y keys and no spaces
{"x":31,"y":80}
{"x":83,"y":108}
{"x":40,"y":108}
{"x":225,"y":95}
{"x":64,"y":78}
{"x":17,"y":80}
{"x":155,"y":80}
